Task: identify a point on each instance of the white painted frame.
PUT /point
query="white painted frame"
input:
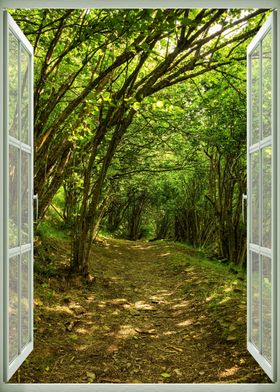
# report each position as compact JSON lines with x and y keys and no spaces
{"x":271,"y":4}
{"x":10,"y":26}
{"x":271,"y":140}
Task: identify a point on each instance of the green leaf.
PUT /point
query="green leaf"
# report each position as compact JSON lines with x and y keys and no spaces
{"x":160,"y":104}
{"x":188,"y":22}
{"x":136,"y":106}
{"x":165,"y":375}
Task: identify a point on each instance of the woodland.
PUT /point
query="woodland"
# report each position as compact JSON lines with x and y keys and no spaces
{"x":140,"y":167}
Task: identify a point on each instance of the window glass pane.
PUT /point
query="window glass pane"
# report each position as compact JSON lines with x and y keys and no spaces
{"x":255,"y":292}
{"x":255,"y":197}
{"x":266,"y":308}
{"x":25,"y":198}
{"x":13,"y":197}
{"x":25,"y":298}
{"x":267,"y":84}
{"x":267,"y":196}
{"x":13,"y":308}
{"x":255,"y":104}
{"x":13,"y":85}
{"x":24,"y":96}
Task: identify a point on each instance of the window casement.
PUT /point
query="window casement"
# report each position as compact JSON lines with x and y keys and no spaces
{"x":261,"y":170}
{"x":16,"y":194}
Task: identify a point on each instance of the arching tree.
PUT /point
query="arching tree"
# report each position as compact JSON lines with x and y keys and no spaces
{"x":94,"y":69}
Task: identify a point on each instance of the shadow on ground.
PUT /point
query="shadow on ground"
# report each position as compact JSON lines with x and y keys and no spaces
{"x":154,"y":313}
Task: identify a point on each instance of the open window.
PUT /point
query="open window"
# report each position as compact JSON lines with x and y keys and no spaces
{"x":261,"y":174}
{"x":18,"y":197}
{"x":18,"y":188}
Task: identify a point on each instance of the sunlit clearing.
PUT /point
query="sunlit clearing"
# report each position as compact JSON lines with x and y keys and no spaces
{"x":168,"y":333}
{"x":119,"y":301}
{"x":185,"y":323}
{"x":164,"y":293}
{"x":158,"y":299}
{"x":90,"y":298}
{"x":113,"y":347}
{"x":224,"y":300}
{"x":183,"y":304}
{"x":82,"y":331}
{"x":83,"y":347}
{"x":229,"y":372}
{"x":142,"y":247}
{"x":58,"y":309}
{"x":115,"y":278}
{"x":125,"y":331}
{"x":76,"y":307}
{"x":143,"y":305}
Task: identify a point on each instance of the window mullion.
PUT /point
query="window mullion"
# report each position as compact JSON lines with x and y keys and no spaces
{"x":260,"y":197}
{"x":19,"y":199}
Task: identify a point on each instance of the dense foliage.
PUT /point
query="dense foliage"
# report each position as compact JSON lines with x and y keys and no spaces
{"x":187,"y":183}
{"x":140,"y":117}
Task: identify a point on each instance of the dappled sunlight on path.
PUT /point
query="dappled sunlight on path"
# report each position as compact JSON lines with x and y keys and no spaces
{"x":152,"y":314}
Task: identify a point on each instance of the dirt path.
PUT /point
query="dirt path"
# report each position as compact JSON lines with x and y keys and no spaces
{"x":153,"y":314}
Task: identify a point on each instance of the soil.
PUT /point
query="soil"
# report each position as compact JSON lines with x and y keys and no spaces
{"x":152,"y":313}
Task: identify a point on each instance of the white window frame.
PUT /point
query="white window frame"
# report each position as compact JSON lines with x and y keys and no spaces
{"x":9,"y":369}
{"x":271,"y":140}
{"x":271,"y":4}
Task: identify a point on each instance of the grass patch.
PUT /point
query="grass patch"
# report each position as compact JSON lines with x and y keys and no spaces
{"x":218,"y":285}
{"x":53,"y":225}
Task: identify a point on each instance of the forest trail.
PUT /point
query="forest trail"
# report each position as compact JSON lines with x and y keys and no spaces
{"x":156,"y":312}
